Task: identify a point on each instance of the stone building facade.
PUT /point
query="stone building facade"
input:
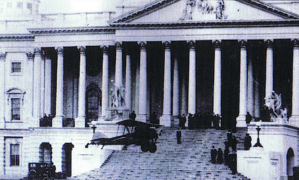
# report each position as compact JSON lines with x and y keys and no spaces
{"x":173,"y":57}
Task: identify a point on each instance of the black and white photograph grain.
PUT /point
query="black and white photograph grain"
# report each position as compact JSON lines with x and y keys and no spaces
{"x":149,"y":89}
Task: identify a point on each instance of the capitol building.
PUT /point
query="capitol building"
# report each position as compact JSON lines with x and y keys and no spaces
{"x":59,"y":70}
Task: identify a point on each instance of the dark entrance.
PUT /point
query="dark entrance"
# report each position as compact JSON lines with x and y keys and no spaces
{"x":67,"y":159}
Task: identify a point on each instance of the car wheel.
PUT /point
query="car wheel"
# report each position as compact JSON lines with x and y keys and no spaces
{"x":153,"y":148}
{"x":145,"y":146}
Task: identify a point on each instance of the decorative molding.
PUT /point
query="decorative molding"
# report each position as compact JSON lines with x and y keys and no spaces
{"x":82,"y":49}
{"x":295,"y":43}
{"x":17,"y":37}
{"x":191,"y":45}
{"x":59,"y":50}
{"x":15,"y":92}
{"x":105,"y":49}
{"x":2,"y":55}
{"x":217,"y":43}
{"x":269,"y":43}
{"x":207,"y":24}
{"x":118,"y":46}
{"x":72,"y":30}
{"x":30,"y":55}
{"x":142,"y":45}
{"x":243,"y":43}
{"x":167,"y":44}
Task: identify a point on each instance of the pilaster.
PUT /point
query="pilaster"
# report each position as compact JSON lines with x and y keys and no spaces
{"x":80,"y":120}
{"x":2,"y":90}
{"x":142,"y":110}
{"x":176,"y":88}
{"x":166,"y":117}
{"x":48,"y":83}
{"x":250,"y":90}
{"x":241,"y":119}
{"x":118,"y":65}
{"x":57,"y":121}
{"x":57,"y":155}
{"x":128,"y":82}
{"x":192,"y":78}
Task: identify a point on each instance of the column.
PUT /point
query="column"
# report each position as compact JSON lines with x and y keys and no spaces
{"x":105,"y":80}
{"x":80,"y":120}
{"x":118,"y":65}
{"x":142,"y":114}
{"x":48,"y":83}
{"x":250,"y":97}
{"x":2,"y":90}
{"x":37,"y":87}
{"x":192,"y":79}
{"x":294,"y":119}
{"x":166,"y":117}
{"x":57,"y":121}
{"x":176,"y":88}
{"x":42,"y":89}
{"x":217,"y":79}
{"x":241,"y":119}
{"x":257,"y":112}
{"x":184,"y":97}
{"x":128,"y":82}
{"x":269,"y":68}
{"x":28,"y":110}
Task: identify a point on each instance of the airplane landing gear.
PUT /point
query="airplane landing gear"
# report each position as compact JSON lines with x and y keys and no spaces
{"x":152,"y":148}
{"x":145,"y":146}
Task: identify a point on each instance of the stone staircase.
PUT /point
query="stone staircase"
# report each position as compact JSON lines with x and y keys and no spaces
{"x":189,"y":160}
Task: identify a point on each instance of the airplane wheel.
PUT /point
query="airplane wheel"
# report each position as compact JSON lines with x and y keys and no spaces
{"x":145,"y":146}
{"x":153,"y":148}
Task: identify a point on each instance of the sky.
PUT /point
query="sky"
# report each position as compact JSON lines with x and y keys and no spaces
{"x":69,"y":6}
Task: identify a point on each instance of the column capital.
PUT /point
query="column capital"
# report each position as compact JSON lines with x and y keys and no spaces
{"x":105,"y":49}
{"x":59,"y":50}
{"x":82,"y":49}
{"x":243,"y":43}
{"x":166,"y":44}
{"x":30,"y":55}
{"x":118,"y":46}
{"x":191,"y":44}
{"x":37,"y":51}
{"x":2,"y":55}
{"x":142,"y":45}
{"x":269,"y":43}
{"x":295,"y":42}
{"x":217,"y":43}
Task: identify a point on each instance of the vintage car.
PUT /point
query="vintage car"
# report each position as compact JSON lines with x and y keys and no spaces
{"x":42,"y":171}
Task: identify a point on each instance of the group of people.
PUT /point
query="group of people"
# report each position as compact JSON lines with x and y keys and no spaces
{"x":197,"y":120}
{"x":216,"y":156}
{"x":46,"y":121}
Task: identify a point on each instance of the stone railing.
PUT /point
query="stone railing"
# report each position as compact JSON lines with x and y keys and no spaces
{"x":56,"y":20}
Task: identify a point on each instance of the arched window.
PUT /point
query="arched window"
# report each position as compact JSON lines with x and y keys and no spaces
{"x":45,"y":153}
{"x":93,"y":98}
{"x":290,"y":162}
{"x":15,"y":99}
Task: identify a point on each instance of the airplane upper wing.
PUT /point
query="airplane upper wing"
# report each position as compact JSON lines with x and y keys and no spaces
{"x":134,"y":123}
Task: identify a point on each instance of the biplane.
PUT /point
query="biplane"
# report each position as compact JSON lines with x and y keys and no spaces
{"x":133,"y":132}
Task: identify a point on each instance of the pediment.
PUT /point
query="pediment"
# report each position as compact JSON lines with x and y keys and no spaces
{"x":167,"y":11}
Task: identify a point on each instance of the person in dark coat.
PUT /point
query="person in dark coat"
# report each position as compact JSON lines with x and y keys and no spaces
{"x":213,"y":155}
{"x":191,"y":121}
{"x":219,"y":156}
{"x":229,"y":138}
{"x":247,"y":142}
{"x":248,"y":118}
{"x":226,"y":153}
{"x":133,"y":115}
{"x":234,"y":143}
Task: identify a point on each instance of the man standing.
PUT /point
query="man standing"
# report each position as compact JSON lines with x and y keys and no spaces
{"x":213,"y":154}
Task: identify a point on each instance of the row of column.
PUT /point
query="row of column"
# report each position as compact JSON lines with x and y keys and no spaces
{"x":246,"y":83}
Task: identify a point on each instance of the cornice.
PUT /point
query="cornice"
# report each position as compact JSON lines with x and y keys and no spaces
{"x":73,"y":30}
{"x":16,"y":37}
{"x":207,"y":24}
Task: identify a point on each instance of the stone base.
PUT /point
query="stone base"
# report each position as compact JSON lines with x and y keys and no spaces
{"x":294,"y":121}
{"x":117,"y":113}
{"x":141,"y":117}
{"x":165,"y":120}
{"x":241,"y":121}
{"x":57,"y":121}
{"x":80,"y":122}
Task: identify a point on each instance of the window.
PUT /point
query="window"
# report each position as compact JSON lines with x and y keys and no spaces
{"x":15,"y":109}
{"x":29,"y":7}
{"x":20,"y":5}
{"x":14,"y":154}
{"x":15,"y":67}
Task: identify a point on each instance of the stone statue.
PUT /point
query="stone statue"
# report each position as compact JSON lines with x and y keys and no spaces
{"x":273,"y":102}
{"x":117,"y":96}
